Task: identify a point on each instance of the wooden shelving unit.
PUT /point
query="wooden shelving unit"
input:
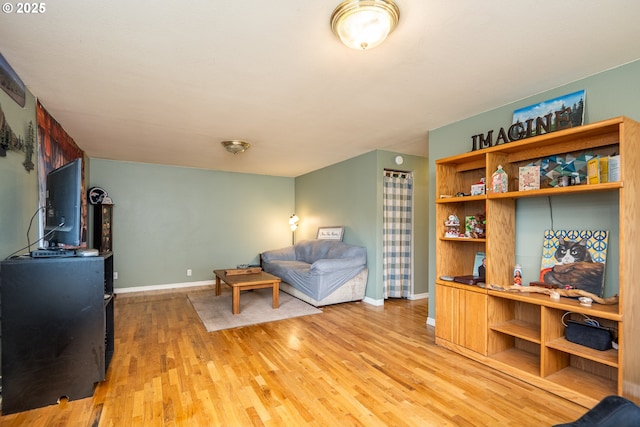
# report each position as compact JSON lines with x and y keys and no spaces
{"x":522,"y":333}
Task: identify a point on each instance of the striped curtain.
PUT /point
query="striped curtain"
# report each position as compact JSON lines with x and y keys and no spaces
{"x":397,"y":234}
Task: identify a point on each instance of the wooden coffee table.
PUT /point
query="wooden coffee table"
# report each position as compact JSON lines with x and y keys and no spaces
{"x":244,"y":282}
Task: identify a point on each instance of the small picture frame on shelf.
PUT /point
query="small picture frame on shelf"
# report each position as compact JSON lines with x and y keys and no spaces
{"x":480,"y":265}
{"x":474,"y":226}
{"x":477,"y":189}
{"x":529,"y":178}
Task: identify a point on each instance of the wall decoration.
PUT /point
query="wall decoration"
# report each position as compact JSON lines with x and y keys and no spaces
{"x":575,"y":259}
{"x":56,"y":149}
{"x":554,"y":114}
{"x":330,"y":233}
{"x":96,"y":195}
{"x":11,"y":83}
{"x":554,"y":168}
{"x":549,"y":116}
{"x":9,"y":141}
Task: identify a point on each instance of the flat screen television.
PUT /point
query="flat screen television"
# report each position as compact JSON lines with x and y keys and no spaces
{"x":63,"y":206}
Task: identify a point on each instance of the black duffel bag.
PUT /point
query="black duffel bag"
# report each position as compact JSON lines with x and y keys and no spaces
{"x":588,"y":333}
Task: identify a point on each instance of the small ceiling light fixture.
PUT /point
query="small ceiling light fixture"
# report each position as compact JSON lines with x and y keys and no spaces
{"x":364,"y":24}
{"x":235,"y":146}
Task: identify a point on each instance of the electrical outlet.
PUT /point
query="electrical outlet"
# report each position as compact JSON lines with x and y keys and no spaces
{"x":115,"y":275}
{"x":189,"y":272}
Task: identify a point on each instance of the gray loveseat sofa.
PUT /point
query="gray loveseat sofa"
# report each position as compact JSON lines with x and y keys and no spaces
{"x":320,"y":272}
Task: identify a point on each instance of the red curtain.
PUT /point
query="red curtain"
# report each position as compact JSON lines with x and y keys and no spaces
{"x":56,"y":149}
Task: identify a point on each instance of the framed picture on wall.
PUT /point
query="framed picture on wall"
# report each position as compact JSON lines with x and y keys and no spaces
{"x":569,"y":108}
{"x":11,"y":83}
{"x":330,"y":233}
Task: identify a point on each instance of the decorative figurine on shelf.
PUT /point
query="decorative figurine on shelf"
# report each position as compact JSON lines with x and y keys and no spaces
{"x":478,"y":188}
{"x":499,"y":181}
{"x":452,"y":226}
{"x":517,"y":275}
{"x":475,"y":226}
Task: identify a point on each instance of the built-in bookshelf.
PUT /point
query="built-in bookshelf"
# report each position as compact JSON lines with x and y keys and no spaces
{"x":521,"y":333}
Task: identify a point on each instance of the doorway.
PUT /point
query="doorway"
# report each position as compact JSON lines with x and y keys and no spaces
{"x":397,"y":234}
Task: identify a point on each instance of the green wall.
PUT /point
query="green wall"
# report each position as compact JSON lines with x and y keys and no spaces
{"x":18,"y":188}
{"x":349,"y":194}
{"x":609,"y":94}
{"x":169,"y":219}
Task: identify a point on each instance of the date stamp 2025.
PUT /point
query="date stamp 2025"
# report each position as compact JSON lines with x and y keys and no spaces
{"x":24,"y":8}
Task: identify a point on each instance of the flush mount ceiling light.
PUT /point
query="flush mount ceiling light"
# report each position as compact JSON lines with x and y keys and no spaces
{"x":235,"y":146}
{"x":364,"y":24}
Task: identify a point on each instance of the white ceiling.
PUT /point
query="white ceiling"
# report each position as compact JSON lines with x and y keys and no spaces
{"x":164,"y":81}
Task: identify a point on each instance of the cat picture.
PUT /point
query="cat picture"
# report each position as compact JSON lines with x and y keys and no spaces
{"x":569,"y":251}
{"x":570,"y":260}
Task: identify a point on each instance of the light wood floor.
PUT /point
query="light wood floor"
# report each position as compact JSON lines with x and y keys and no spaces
{"x":353,"y":365}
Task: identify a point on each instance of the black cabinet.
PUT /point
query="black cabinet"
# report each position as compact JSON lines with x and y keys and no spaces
{"x":102,"y":227}
{"x":57,"y":328}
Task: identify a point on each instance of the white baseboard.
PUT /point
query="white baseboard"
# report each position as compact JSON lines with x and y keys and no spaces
{"x":419,"y":296}
{"x":372,"y":301}
{"x":380,"y":302}
{"x":431,"y":321}
{"x":163,"y":287}
{"x":377,"y":302}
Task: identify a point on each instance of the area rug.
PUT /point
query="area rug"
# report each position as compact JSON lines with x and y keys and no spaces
{"x":255,"y":307}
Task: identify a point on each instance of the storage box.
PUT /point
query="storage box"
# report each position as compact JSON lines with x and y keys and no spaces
{"x":592,"y":336}
{"x":477,"y":189}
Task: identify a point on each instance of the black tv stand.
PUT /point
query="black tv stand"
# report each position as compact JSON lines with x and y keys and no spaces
{"x":57,"y":328}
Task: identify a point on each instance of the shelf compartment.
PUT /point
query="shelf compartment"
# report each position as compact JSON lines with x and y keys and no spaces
{"x":594,"y":386}
{"x":452,"y":179}
{"x":519,"y":329}
{"x":461,"y":211}
{"x":457,"y":255}
{"x":519,"y":359}
{"x":607,"y":357}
